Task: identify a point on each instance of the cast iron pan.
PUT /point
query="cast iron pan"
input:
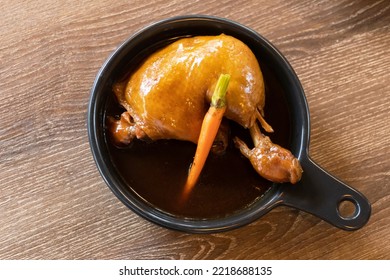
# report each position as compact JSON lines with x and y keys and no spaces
{"x":318,"y":192}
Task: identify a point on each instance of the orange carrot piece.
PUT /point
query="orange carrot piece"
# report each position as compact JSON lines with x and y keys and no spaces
{"x":209,"y":129}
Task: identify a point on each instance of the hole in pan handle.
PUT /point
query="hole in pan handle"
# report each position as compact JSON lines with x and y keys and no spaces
{"x":326,"y":197}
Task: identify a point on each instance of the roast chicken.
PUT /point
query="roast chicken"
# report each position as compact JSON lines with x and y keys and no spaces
{"x":168,"y":95}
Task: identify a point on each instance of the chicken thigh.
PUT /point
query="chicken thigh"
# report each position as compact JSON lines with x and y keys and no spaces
{"x":168,"y":96}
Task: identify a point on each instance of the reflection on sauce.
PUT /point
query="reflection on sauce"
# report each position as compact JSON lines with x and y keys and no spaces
{"x":157,"y":171}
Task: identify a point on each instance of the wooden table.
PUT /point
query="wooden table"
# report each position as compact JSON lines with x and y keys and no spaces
{"x":55,"y":205}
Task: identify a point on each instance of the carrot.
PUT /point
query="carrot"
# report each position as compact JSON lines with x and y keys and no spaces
{"x":209,"y":129}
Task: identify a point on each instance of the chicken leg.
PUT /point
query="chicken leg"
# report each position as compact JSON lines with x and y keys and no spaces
{"x":271,"y":161}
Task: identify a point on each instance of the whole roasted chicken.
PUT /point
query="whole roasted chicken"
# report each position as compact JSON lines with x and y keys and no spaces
{"x":169,"y":94}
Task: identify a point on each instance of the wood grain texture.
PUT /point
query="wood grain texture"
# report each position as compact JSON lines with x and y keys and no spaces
{"x":55,"y":205}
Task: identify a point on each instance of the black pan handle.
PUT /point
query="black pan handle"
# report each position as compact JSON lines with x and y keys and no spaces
{"x":321,"y":194}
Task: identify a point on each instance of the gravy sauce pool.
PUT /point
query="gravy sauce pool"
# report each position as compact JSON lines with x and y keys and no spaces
{"x":157,"y":171}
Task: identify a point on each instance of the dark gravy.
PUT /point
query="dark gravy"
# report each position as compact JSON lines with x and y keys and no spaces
{"x":157,"y":171}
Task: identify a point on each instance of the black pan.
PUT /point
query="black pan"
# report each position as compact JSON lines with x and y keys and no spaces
{"x":318,"y":192}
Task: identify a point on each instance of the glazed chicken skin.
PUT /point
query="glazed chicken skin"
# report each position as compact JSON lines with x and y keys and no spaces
{"x":168,"y":96}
